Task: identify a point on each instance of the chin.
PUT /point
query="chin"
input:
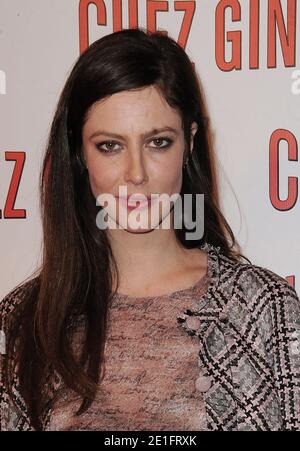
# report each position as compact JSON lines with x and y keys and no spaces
{"x":142,"y":227}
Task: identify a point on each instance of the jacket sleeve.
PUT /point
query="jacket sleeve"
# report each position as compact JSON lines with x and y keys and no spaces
{"x":285,"y":345}
{"x":13,"y":416}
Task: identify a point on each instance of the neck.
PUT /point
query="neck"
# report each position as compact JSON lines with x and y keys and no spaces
{"x":138,"y":253}
{"x":156,"y":255}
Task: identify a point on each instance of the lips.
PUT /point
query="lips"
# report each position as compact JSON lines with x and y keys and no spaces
{"x":135,"y":198}
{"x":136,"y":202}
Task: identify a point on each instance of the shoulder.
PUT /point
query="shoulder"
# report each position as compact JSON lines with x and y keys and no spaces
{"x":262,"y":312}
{"x":252,"y":279}
{"x":13,"y":409}
{"x":15,"y":298}
{"x":11,"y":308}
{"x":261,"y":292}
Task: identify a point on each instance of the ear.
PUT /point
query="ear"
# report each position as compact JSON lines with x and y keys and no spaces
{"x":194,"y":128}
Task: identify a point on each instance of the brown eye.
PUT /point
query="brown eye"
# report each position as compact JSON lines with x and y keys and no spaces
{"x":159,"y":140}
{"x":109,"y":146}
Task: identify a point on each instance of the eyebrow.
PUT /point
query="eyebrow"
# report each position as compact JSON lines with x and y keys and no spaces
{"x":152,"y":132}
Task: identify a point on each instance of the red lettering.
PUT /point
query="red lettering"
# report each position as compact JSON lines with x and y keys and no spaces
{"x":290,"y":201}
{"x":275,"y":21}
{"x":153,"y":7}
{"x":291,"y":280}
{"x":235,"y":37}
{"x":287,"y":38}
{"x":84,"y":20}
{"x":254,"y":35}
{"x":189,"y":8}
{"x":9,"y":211}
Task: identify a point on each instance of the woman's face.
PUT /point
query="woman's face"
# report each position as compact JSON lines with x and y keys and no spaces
{"x":134,"y":140}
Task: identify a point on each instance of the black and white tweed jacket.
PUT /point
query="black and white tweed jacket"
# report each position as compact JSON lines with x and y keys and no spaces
{"x":249,"y":349}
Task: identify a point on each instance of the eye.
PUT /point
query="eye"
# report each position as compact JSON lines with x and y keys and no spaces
{"x":110,"y":146}
{"x":158,"y":140}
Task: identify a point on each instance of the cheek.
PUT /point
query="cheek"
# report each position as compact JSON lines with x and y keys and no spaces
{"x":171,"y":178}
{"x":102,"y":179}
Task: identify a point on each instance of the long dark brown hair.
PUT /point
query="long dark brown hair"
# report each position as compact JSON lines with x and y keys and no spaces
{"x":75,"y":277}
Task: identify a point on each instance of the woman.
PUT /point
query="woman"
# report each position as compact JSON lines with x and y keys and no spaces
{"x":143,"y":328}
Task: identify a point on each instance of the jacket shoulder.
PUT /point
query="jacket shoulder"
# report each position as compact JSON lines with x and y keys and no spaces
{"x":15,"y":297}
{"x":265,"y":314}
{"x":252,"y":279}
{"x":13,"y":414}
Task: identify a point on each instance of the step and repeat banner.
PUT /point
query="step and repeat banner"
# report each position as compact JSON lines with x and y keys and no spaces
{"x":247,"y":58}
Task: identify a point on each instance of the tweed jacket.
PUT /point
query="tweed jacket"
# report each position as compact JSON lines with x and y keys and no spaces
{"x":248,"y":325}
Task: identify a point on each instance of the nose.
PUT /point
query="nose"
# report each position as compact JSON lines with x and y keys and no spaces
{"x":135,"y":171}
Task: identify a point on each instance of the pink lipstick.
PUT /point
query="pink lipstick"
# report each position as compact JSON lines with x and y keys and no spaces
{"x":136,"y":202}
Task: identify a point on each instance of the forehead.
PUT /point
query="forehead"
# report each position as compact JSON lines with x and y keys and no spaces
{"x":133,"y":109}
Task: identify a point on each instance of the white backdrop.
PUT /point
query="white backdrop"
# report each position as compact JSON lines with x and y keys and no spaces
{"x":247,"y":57}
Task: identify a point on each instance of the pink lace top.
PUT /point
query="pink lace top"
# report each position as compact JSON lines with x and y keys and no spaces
{"x":151,"y":369}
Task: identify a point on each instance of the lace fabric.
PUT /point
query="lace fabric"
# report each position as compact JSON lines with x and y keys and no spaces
{"x":146,"y":384}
